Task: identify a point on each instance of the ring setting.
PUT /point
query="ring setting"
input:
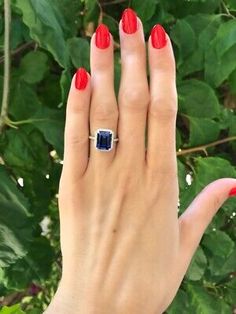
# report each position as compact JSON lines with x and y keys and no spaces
{"x":104,"y":139}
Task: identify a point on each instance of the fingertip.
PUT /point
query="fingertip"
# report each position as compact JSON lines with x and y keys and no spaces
{"x":79,"y":94}
{"x":134,"y":36}
{"x":80,"y":82}
{"x":160,"y":50}
{"x":159,"y":40}
{"x":81,"y":78}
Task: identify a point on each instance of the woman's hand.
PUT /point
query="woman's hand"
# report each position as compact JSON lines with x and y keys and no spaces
{"x":124,"y":249}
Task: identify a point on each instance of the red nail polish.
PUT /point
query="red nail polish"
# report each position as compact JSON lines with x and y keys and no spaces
{"x":81,"y":78}
{"x":102,"y":39}
{"x":158,"y":36}
{"x":129,"y":21}
{"x":232,"y":192}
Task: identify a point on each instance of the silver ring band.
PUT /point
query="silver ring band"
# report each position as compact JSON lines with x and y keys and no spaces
{"x":93,"y":138}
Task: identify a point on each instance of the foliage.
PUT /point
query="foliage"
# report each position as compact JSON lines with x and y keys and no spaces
{"x":49,"y":39}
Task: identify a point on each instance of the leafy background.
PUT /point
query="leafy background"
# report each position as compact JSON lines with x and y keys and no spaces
{"x":49,"y":40}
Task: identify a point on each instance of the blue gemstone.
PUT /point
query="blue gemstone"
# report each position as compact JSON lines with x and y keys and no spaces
{"x":104,"y":140}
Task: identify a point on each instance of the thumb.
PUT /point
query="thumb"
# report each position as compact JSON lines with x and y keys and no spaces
{"x":194,"y":221}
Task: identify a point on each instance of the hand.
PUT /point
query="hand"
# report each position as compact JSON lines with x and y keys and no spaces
{"x":124,"y":249}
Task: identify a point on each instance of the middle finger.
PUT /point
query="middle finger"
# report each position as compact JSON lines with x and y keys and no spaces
{"x":133,"y":97}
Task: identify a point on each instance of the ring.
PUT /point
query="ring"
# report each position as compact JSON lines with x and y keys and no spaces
{"x":103,"y":139}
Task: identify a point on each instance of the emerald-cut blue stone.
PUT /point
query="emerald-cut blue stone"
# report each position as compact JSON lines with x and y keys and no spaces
{"x":104,"y":140}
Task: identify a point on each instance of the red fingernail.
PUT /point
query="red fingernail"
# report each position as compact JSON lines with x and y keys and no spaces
{"x":232,"y":192}
{"x":129,"y":21}
{"x":81,"y":78}
{"x":158,"y":36}
{"x":102,"y":39}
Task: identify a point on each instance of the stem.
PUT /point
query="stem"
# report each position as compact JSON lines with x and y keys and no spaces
{"x":13,"y":123}
{"x":18,"y":50}
{"x":6,"y":81}
{"x":227,"y":10}
{"x":113,"y":2}
{"x":203,"y":147}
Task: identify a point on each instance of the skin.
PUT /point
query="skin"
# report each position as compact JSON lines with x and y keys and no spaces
{"x":124,"y":248}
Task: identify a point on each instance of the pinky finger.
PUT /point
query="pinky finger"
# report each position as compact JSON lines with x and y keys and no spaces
{"x":77,"y":125}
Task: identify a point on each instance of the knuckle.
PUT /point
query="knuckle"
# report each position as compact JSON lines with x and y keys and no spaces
{"x":163,"y":108}
{"x":105,"y":112}
{"x":135,"y":98}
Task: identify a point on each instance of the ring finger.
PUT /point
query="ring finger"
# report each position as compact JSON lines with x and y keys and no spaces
{"x":103,"y":110}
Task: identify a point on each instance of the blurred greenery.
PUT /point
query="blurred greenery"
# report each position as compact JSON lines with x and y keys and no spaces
{"x":49,"y":40}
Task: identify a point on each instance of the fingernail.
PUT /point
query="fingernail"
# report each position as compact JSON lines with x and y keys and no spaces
{"x":81,"y":78}
{"x":232,"y":192}
{"x":158,"y":36}
{"x":129,"y":21}
{"x":102,"y":39}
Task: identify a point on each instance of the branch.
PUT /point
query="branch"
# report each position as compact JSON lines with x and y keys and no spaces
{"x":6,"y":81}
{"x":203,"y":147}
{"x":113,"y":2}
{"x":18,"y":50}
{"x":228,"y":14}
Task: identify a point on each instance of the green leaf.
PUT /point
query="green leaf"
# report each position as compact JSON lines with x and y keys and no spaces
{"x":38,"y":188}
{"x":79,"y":52}
{"x":45,"y":27}
{"x":15,"y":221}
{"x":197,"y":266}
{"x":180,"y":303}
{"x":65,"y":82}
{"x":213,"y":168}
{"x":225,"y":38}
{"x":232,"y":82}
{"x":23,"y":155}
{"x":23,"y":104}
{"x":202,"y":26}
{"x":193,"y":63}
{"x":206,"y":170}
{"x":231,"y":4}
{"x":202,"y":131}
{"x":231,"y":291}
{"x":144,"y":9}
{"x":48,"y":91}
{"x":219,"y":243}
{"x":18,"y":32}
{"x":197,"y":99}
{"x":51,"y":123}
{"x":35,"y":266}
{"x":232,"y":126}
{"x":178,"y":139}
{"x":34,"y":66}
{"x":208,"y":33}
{"x":184,"y":37}
{"x":14,"y":309}
{"x":181,"y":9}
{"x":205,"y":303}
{"x":222,"y":266}
{"x":111,"y":23}
{"x":220,"y":55}
{"x":92,"y":10}
{"x":181,"y":175}
{"x":69,"y":11}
